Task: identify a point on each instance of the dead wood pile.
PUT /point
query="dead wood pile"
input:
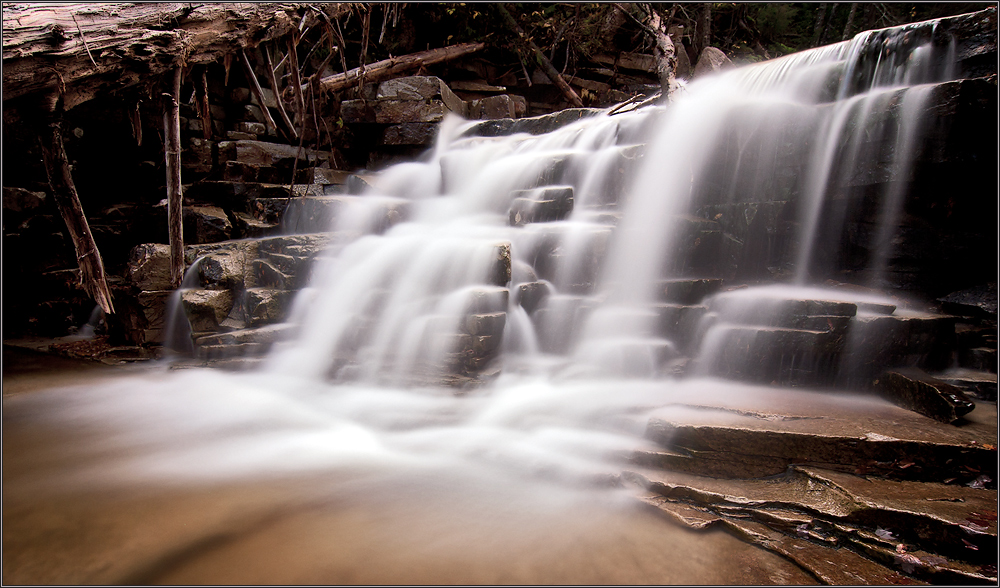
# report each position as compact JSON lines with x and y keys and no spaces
{"x":80,"y":50}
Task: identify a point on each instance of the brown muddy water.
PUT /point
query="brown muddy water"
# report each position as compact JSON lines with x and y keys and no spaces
{"x":79,"y":509}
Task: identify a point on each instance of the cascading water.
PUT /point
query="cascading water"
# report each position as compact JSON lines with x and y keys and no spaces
{"x":556,"y":271}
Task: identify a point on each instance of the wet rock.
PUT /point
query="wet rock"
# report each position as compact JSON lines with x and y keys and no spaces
{"x":689,"y":291}
{"x":817,"y":511}
{"x":711,"y":60}
{"x":226,"y":270}
{"x":915,"y":390}
{"x":265,"y":306}
{"x":531,"y":295}
{"x":206,"y":224}
{"x":540,"y":205}
{"x":537,"y":125}
{"x":499,"y":274}
{"x":776,"y":427}
{"x":487,"y":300}
{"x":485,"y":324}
{"x":679,"y":323}
{"x":773,"y":355}
{"x":149,"y":267}
{"x":266,"y":275}
{"x":266,"y":335}
{"x":976,"y":383}
{"x":206,"y":309}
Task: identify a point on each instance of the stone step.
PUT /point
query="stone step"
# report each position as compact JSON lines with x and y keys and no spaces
{"x":271,"y":154}
{"x":551,"y":203}
{"x":774,"y":428}
{"x":771,"y":354}
{"x":979,"y":358}
{"x":679,"y":323}
{"x":318,"y":213}
{"x":976,"y":383}
{"x":688,"y":291}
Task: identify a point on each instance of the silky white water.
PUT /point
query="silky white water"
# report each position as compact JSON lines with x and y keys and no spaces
{"x":567,"y":394}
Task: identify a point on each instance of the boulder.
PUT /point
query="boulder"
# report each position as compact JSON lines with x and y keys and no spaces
{"x":530,"y":295}
{"x":421,"y":88}
{"x":149,"y":267}
{"x":265,"y":306}
{"x":711,"y":60}
{"x":917,"y":391}
{"x":206,"y":224}
{"x":206,"y":309}
{"x":493,"y":107}
{"x":393,"y":111}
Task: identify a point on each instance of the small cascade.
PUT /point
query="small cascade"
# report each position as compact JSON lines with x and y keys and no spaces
{"x":178,"y":340}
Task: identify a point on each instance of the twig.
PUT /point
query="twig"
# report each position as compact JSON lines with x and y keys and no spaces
{"x":84,"y":39}
{"x":255,"y":88}
{"x":277,"y":93}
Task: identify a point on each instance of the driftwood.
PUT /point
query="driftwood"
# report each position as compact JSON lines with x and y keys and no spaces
{"x":79,"y":50}
{"x":257,"y":91}
{"x":389,"y":68}
{"x":68,"y":201}
{"x":172,"y":152}
{"x":543,"y":61}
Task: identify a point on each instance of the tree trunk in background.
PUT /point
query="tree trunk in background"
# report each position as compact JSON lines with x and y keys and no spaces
{"x":820,"y":21}
{"x":703,"y":29}
{"x":172,"y":152}
{"x":68,"y":201}
{"x":824,"y":37}
{"x":850,"y":22}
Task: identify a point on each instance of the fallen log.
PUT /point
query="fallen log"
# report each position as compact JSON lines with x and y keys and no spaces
{"x":79,"y":50}
{"x":543,"y":61}
{"x":392,"y":67}
{"x":68,"y":201}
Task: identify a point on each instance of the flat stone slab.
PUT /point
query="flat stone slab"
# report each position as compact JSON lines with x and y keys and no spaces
{"x":730,"y":429}
{"x":932,"y":532}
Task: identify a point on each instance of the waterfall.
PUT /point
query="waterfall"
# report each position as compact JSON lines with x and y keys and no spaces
{"x":600,"y":213}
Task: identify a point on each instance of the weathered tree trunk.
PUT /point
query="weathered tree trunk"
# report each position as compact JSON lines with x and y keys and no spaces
{"x":257,"y":92}
{"x":543,"y":62}
{"x":68,"y":201}
{"x":666,"y":58}
{"x":388,"y":68}
{"x":850,"y":22}
{"x":78,"y":50}
{"x":703,"y":29}
{"x":172,"y":151}
{"x":818,"y":25}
